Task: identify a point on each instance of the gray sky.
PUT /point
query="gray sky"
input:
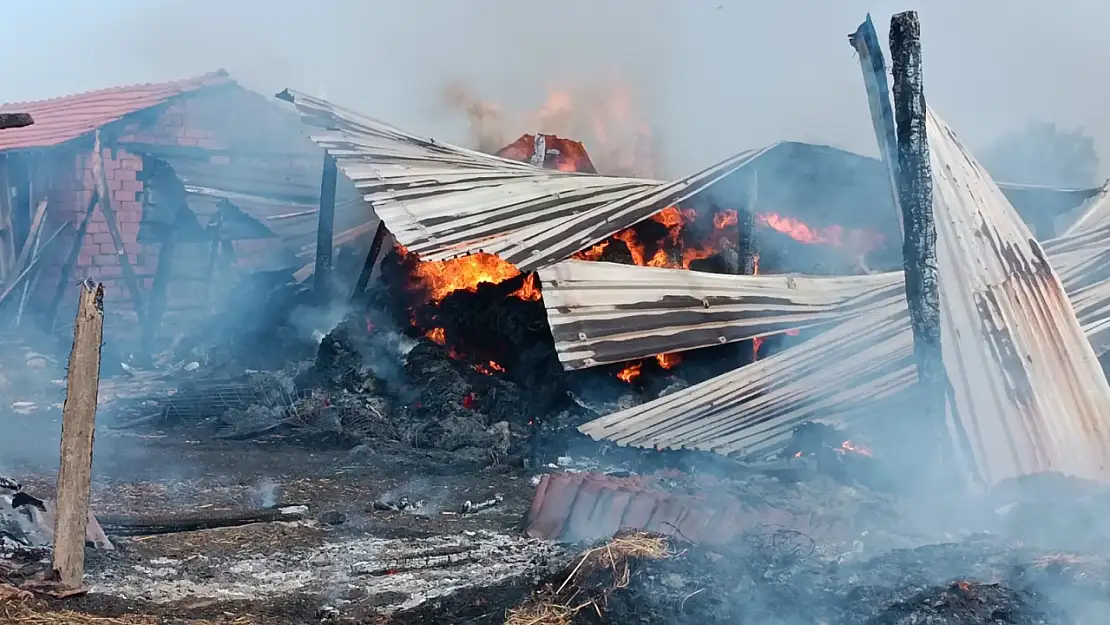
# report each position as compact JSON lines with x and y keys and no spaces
{"x":712,"y":76}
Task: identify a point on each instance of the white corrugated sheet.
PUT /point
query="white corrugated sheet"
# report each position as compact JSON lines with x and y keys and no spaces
{"x":442,"y":201}
{"x":1029,"y":393}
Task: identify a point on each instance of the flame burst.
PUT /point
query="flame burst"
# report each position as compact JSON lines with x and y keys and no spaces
{"x":678,"y":245}
{"x":630,"y":372}
{"x":859,"y":241}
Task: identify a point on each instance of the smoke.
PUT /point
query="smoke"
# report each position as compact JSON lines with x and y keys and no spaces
{"x":714,"y":77}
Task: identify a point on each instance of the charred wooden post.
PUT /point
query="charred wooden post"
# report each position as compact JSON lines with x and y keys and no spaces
{"x":159,"y":289}
{"x":78,"y":419}
{"x":915,"y":195}
{"x":371,"y":260}
{"x":325,"y":227}
{"x":747,"y":246}
{"x":866,"y":43}
{"x":15,"y":120}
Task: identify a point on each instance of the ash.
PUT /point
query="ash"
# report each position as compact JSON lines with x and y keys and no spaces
{"x":405,"y":573}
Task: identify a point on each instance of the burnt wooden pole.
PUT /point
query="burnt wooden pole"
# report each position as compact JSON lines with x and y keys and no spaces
{"x":866,"y":43}
{"x":325,"y":228}
{"x":371,"y":260}
{"x":915,"y":195}
{"x":78,"y":420}
{"x":748,"y":248}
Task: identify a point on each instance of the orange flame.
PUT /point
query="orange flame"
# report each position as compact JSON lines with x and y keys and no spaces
{"x":528,"y":291}
{"x":861,"y":241}
{"x":630,"y":372}
{"x":668,"y":361}
{"x":489,"y":368}
{"x":437,"y":335}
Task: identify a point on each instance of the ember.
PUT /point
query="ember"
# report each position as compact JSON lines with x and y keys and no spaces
{"x":438,"y":279}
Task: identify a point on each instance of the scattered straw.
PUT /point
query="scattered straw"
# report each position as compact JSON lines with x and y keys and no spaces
{"x":557,"y":607}
{"x":27,"y":613}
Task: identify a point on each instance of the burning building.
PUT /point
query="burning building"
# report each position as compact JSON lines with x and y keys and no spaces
{"x":203,"y":182}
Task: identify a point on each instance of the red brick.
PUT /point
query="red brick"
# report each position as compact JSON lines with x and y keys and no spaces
{"x":108,"y":249}
{"x":126,"y":174}
{"x":187,"y":142}
{"x":84,"y":260}
{"x":102,"y":238}
{"x":196,"y":133}
{"x":110,"y":271}
{"x":105,"y":260}
{"x":132,"y":248}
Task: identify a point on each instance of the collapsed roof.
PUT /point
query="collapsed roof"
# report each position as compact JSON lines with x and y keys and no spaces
{"x":441,"y":201}
{"x":1039,"y":399}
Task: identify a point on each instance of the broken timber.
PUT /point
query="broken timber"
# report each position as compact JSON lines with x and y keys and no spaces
{"x":919,"y":253}
{"x":78,"y":419}
{"x":371,"y":260}
{"x":168,"y":524}
{"x":325,"y":228}
{"x":866,"y":43}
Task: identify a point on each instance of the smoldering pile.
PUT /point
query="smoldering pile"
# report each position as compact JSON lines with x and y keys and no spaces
{"x":1002,"y":568}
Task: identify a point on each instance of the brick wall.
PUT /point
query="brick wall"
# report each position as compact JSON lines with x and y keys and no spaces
{"x":185,"y":123}
{"x":69,"y":197}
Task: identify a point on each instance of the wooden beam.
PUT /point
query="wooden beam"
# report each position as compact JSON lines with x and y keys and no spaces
{"x":325,"y":227}
{"x":15,"y":120}
{"x":915,"y":195}
{"x":7,"y":229}
{"x":71,"y":263}
{"x":163,"y":274}
{"x":866,"y":42}
{"x":11,"y":285}
{"x":78,"y":422}
{"x":129,"y":277}
{"x":371,"y":260}
{"x":748,"y":249}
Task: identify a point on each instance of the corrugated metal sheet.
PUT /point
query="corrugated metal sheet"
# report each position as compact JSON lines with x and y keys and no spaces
{"x":61,"y":119}
{"x":603,"y":313}
{"x":442,"y":201}
{"x":1029,"y":391}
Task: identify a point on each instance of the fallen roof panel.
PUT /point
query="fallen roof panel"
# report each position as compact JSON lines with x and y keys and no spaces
{"x":58,"y":120}
{"x":442,"y":201}
{"x":1055,"y":411}
{"x":602,"y":313}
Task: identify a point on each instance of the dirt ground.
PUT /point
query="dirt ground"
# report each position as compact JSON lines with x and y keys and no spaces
{"x":346,"y":563}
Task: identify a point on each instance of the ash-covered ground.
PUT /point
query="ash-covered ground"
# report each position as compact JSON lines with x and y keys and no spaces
{"x":419,"y":462}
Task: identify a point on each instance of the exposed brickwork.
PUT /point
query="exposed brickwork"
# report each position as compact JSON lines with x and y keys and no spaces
{"x":586,"y":506}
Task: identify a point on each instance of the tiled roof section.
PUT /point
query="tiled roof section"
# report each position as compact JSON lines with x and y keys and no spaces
{"x":61,"y":119}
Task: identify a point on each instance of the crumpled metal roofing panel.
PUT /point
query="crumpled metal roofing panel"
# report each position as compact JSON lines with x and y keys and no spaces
{"x":1049,"y":399}
{"x":602,"y":313}
{"x":442,"y":201}
{"x":61,"y":119}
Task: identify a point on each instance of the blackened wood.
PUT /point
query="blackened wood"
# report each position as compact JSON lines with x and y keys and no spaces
{"x":325,"y":227}
{"x":15,"y":120}
{"x":140,"y":526}
{"x":130,"y":280}
{"x":163,"y":274}
{"x":915,"y":195}
{"x":78,"y":421}
{"x":748,"y":247}
{"x":215,"y":224}
{"x":866,"y":42}
{"x":371,"y":260}
{"x":70,"y":264}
